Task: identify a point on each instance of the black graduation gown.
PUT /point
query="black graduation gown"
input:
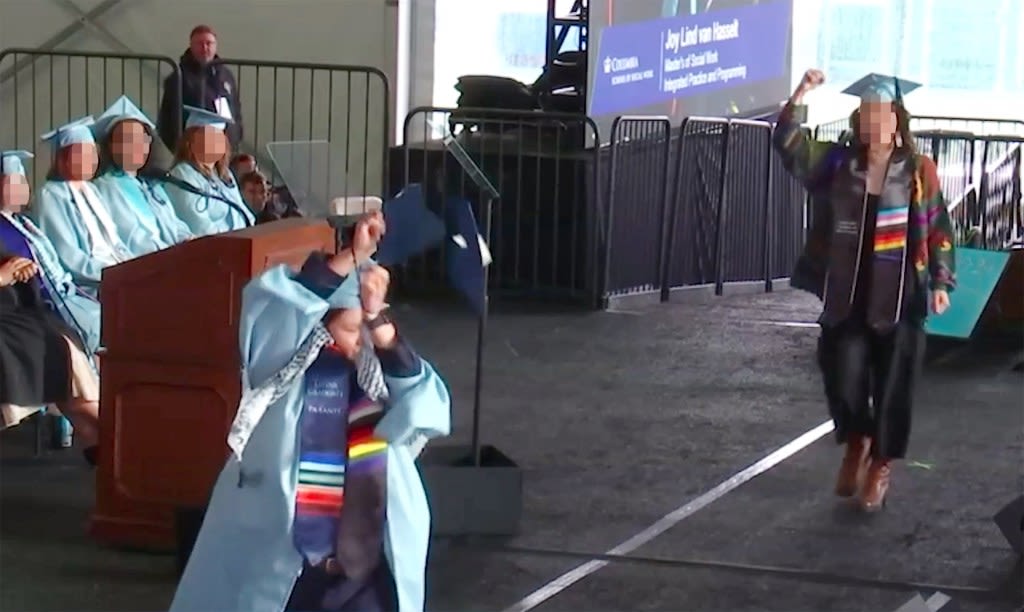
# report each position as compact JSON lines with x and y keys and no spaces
{"x":35,"y":364}
{"x":870,"y":376}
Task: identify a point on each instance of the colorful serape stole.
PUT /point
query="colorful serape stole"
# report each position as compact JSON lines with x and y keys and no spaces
{"x":341,"y":490}
{"x":891,"y":232}
{"x":361,"y":531}
{"x":322,"y":453}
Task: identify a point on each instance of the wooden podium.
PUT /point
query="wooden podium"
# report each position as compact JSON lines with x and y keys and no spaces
{"x":169,"y":383}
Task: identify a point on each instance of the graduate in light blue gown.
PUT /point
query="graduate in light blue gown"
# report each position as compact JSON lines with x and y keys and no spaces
{"x":296,"y":521}
{"x":70,"y":211}
{"x":78,"y":309}
{"x":141,"y":208}
{"x":202,"y":188}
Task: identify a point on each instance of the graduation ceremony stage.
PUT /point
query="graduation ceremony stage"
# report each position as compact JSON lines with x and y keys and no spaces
{"x":619,"y":420}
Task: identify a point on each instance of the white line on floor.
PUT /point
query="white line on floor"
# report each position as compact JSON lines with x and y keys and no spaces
{"x":801,"y":324}
{"x":937,"y":600}
{"x":671,"y":519}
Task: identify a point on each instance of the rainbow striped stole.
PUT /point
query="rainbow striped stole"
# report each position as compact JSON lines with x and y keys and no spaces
{"x":891,"y":231}
{"x":321,"y":482}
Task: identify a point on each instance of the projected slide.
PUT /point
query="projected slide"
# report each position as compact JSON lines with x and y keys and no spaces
{"x":689,"y":57}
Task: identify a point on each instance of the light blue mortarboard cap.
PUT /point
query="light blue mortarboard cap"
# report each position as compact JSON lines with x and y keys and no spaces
{"x":881,"y":88}
{"x":78,"y":131}
{"x":11,"y":162}
{"x":121,"y":110}
{"x":200,"y":117}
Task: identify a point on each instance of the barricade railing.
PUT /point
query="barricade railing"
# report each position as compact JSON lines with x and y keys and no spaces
{"x":832,"y":130}
{"x":546,"y":229}
{"x":965,"y":214}
{"x":40,"y":90}
{"x":347,"y":106}
{"x":1000,"y":201}
{"x":637,"y":205}
{"x":736,"y":216}
{"x":700,"y":188}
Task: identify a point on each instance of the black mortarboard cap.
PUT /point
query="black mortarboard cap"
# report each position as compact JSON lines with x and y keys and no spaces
{"x":411,"y":227}
{"x":466,"y":256}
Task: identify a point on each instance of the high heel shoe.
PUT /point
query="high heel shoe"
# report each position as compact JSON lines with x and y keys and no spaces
{"x":876,"y":486}
{"x":854,"y":467}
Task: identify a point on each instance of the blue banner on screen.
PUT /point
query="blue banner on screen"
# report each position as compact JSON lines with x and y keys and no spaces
{"x":650,"y":62}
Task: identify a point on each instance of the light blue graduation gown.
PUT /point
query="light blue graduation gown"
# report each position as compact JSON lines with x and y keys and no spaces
{"x":206,"y":215}
{"x":142,"y":210}
{"x":57,"y":215}
{"x":244,"y":559}
{"x":78,"y":309}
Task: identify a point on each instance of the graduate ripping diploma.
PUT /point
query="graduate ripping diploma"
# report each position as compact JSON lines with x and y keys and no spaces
{"x":320,"y":505}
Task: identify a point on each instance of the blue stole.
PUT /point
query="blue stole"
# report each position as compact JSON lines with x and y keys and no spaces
{"x":322,"y":454}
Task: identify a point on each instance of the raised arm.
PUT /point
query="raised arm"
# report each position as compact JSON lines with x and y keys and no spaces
{"x":419,"y":406}
{"x":804,"y":157}
{"x":280,"y":309}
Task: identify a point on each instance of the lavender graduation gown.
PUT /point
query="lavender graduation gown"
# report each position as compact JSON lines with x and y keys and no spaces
{"x":244,"y":559}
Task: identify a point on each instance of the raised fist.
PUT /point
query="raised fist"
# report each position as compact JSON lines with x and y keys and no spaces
{"x":812,"y":79}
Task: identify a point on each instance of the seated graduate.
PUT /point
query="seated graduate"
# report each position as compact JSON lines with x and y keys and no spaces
{"x":70,"y":211}
{"x":202,"y":188}
{"x":56,"y":288}
{"x":41,"y":359}
{"x":320,"y":505}
{"x":142,"y":210}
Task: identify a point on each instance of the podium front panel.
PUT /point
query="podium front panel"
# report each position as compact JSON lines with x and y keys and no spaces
{"x":170,"y":428}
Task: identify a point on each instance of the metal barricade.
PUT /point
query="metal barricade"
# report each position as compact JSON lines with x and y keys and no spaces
{"x":736,"y":215}
{"x":1000,"y":199}
{"x":695,"y":228}
{"x":982,"y":127}
{"x":955,"y":156}
{"x":347,"y":106}
{"x":40,"y":90}
{"x":546,"y":230}
{"x":832,"y":130}
{"x":637,"y":208}
{"x":747,"y":215}
{"x":790,"y":219}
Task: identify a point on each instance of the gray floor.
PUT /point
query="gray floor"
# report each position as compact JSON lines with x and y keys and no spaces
{"x":617,"y":420}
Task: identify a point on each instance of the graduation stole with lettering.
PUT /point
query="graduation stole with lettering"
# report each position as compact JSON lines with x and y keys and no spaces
{"x":339,"y":454}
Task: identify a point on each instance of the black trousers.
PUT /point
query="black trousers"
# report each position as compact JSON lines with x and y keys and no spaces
{"x":317,"y":591}
{"x":869,"y":381}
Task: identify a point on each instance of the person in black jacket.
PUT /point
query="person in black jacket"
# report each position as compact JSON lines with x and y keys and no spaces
{"x":205,"y":83}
